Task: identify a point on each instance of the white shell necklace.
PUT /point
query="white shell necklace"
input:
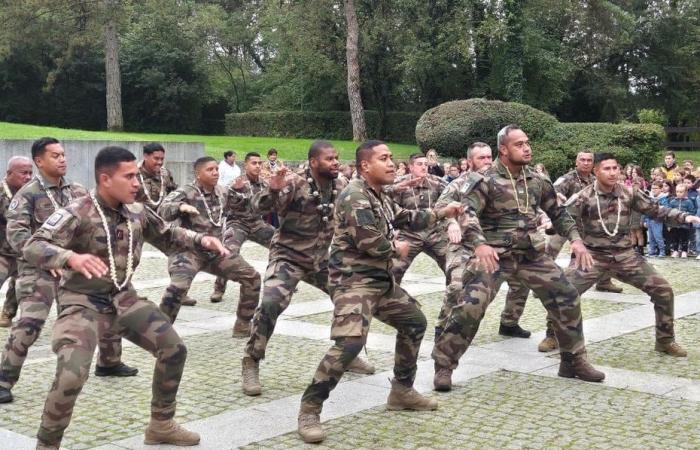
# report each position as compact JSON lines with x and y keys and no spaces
{"x":216,"y":223}
{"x":600,"y":217}
{"x":6,"y":189}
{"x":162,"y":187}
{"x":112,"y":262}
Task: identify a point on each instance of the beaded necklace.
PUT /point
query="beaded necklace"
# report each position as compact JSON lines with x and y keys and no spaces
{"x":112,"y":262}
{"x":216,"y":223}
{"x":515,"y":192}
{"x":6,"y":189}
{"x":600,"y":216}
{"x":324,"y":208}
{"x":162,"y":187}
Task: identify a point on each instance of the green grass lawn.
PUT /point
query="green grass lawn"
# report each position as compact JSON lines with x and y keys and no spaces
{"x":289,"y":149}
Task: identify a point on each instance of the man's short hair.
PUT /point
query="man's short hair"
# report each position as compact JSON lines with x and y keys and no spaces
{"x":603,"y":156}
{"x":670,"y":153}
{"x":109,"y":158}
{"x":201,"y":161}
{"x":657,"y":183}
{"x":229,"y":153}
{"x":39,"y":146}
{"x":690,"y":177}
{"x":251,"y":155}
{"x":16,"y":160}
{"x":152,"y":148}
{"x":365,"y":150}
{"x":316,"y":147}
{"x":503,"y":133}
{"x":470,"y":149}
{"x":415,"y":156}
{"x":272,"y":151}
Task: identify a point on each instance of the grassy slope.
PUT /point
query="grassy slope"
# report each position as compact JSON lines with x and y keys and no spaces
{"x":289,"y":149}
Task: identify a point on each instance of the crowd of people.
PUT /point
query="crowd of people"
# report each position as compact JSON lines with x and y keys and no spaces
{"x":351,"y":231}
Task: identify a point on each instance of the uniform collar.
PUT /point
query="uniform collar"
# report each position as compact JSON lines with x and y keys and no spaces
{"x":121,"y":210}
{"x":588,"y":178}
{"x":61,"y":182}
{"x":616,"y":191}
{"x":501,"y":169}
{"x":145,"y":171}
{"x":198,"y":185}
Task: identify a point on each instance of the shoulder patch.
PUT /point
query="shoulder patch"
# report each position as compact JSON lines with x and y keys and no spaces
{"x":364,"y":217}
{"x":13,"y":205}
{"x":57,"y":219}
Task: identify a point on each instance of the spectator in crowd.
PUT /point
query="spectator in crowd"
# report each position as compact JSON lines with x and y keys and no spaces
{"x":541,"y":169}
{"x":655,"y":228}
{"x":657,"y":174}
{"x":433,"y":164}
{"x":228,"y":169}
{"x":446,"y":167}
{"x":634,"y":177}
{"x":402,"y":169}
{"x":453,"y":173}
{"x":691,"y":184}
{"x":272,"y":164}
{"x":670,"y":167}
{"x":463,"y":165}
{"x":680,"y":233}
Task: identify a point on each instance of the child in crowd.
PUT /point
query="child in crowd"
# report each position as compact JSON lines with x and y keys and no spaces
{"x":681,"y":233}
{"x":655,"y":228}
{"x":453,"y":173}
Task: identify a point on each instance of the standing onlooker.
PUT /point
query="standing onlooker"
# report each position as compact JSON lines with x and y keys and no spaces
{"x":542,"y":170}
{"x":681,"y":233}
{"x":228,"y":169}
{"x":463,"y":165}
{"x":452,"y":174}
{"x":433,"y":164}
{"x":655,"y":228}
{"x":402,"y":169}
{"x":634,"y":177}
{"x":272,"y":164}
{"x":670,"y":167}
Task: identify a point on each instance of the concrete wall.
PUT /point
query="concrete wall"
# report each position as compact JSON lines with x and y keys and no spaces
{"x":80,"y":156}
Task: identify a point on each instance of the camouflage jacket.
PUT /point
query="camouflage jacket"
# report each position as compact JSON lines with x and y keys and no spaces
{"x":78,"y":228}
{"x":151,"y":184}
{"x":303,"y":235}
{"x":363,"y":242}
{"x":421,"y":197}
{"x":572,"y":182}
{"x":585,"y":209}
{"x":5,"y":201}
{"x":241,"y":212}
{"x":492,"y":200}
{"x":31,"y":206}
{"x":217,"y":201}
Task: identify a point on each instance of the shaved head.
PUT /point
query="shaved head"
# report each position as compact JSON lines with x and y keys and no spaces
{"x":16,"y":161}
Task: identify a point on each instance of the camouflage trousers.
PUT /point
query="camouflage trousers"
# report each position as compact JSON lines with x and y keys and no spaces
{"x":281,"y":279}
{"x":234,"y":237}
{"x":8,"y":272}
{"x":633,"y":269}
{"x":183,"y":267}
{"x":355,"y":306}
{"x":435,"y":246}
{"x":538,"y":272}
{"x":75,"y":336}
{"x":36,"y":290}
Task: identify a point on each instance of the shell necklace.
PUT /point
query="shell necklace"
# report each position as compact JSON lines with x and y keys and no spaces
{"x":324,"y":208}
{"x":600,"y":216}
{"x":6,"y":189}
{"x":216,"y":223}
{"x":515,"y":192}
{"x":112,"y":262}
{"x":50,"y":195}
{"x":162,"y":187}
{"x":413,"y":193}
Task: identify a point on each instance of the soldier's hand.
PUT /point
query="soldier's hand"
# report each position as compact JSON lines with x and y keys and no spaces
{"x":454,"y":232}
{"x":407,"y":183}
{"x":278,"y":179}
{"x":88,"y":265}
{"x":545,"y":223}
{"x":189,"y":209}
{"x":215,"y":245}
{"x":401,"y":249}
{"x":584,"y":260}
{"x":561,"y":198}
{"x":56,"y":273}
{"x":238,"y":183}
{"x":487,"y":258}
{"x":452,"y":210}
{"x":695,"y":220}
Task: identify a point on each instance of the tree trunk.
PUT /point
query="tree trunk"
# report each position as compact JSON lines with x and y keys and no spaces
{"x":357,"y":112}
{"x":513,"y":76}
{"x":115,"y":120}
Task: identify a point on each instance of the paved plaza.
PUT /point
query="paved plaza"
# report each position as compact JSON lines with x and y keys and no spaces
{"x":506,"y":394}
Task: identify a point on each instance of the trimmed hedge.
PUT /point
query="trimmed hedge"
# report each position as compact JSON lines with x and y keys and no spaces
{"x":399,"y":127}
{"x":452,"y":126}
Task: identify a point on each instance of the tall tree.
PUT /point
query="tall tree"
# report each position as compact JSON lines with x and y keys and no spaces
{"x":115,"y":120}
{"x":357,"y":112}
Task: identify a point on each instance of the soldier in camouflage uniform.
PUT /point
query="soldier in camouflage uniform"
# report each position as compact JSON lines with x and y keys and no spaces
{"x":299,"y":248}
{"x":36,"y":288}
{"x":243,"y":223}
{"x":156,"y":183}
{"x":96,"y":241}
{"x":201,"y":206}
{"x":419,"y":191}
{"x":507,"y":245}
{"x":362,"y":287}
{"x":460,"y":252}
{"x":603,"y":211}
{"x":19,"y":172}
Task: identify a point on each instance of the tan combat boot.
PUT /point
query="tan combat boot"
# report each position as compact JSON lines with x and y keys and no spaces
{"x":404,"y":397}
{"x":608,"y":287}
{"x":359,"y":365}
{"x":309,"y":421}
{"x":548,"y":344}
{"x":671,"y":348}
{"x":169,"y":432}
{"x":216,"y":297}
{"x":5,"y":320}
{"x":577,"y":366}
{"x":188,"y":301}
{"x":443,"y":379}
{"x":241,"y":329}
{"x":42,"y":446}
{"x":251,"y":376}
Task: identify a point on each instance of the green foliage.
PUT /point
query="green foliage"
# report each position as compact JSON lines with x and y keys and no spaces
{"x":400,"y":126}
{"x":451,"y":127}
{"x":652,"y":116}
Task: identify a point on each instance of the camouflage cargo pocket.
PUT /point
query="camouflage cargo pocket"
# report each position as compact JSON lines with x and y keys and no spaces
{"x":347,"y":321}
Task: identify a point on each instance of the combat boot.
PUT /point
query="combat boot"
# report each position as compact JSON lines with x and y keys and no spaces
{"x":309,"y":423}
{"x":608,"y":287}
{"x":359,"y":365}
{"x":5,"y":320}
{"x":5,"y":395}
{"x":443,"y":379}
{"x":405,"y":397}
{"x":251,"y":376}
{"x":42,"y":446}
{"x":241,"y":329}
{"x":513,"y":331}
{"x":577,"y":366}
{"x":671,"y":348}
{"x":548,"y":344}
{"x":169,"y":432}
{"x":188,"y":301}
{"x":216,"y":297}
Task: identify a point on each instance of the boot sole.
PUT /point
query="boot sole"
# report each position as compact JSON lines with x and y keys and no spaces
{"x":361,"y":372}
{"x":313,"y":440}
{"x":521,"y":336}
{"x":161,"y":441}
{"x":216,"y":300}
{"x":252,"y":393}
{"x":671,"y":354}
{"x":442,"y":388}
{"x":588,"y":380}
{"x":406,"y":408}
{"x":546,"y":350}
